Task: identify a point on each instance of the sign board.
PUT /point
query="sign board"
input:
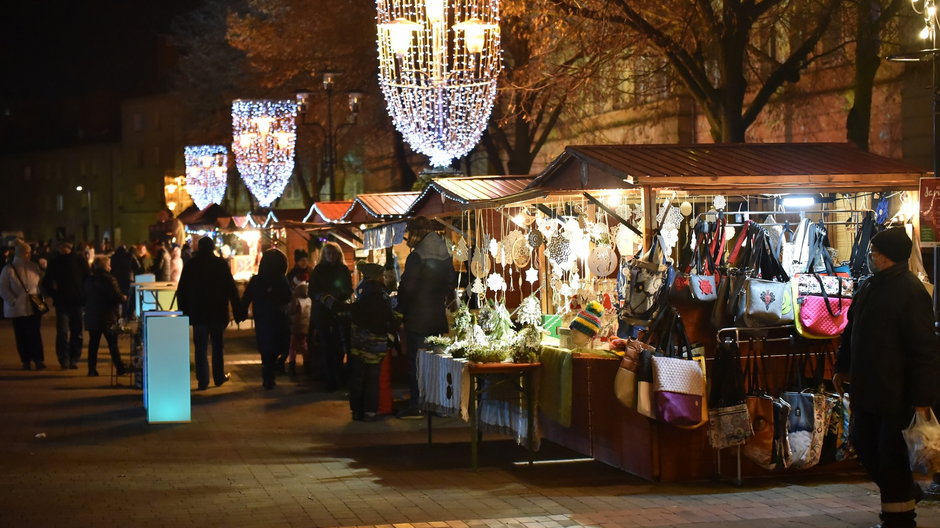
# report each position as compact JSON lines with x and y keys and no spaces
{"x":929,"y":196}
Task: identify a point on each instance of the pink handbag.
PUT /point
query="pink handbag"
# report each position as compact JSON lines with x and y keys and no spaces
{"x":821,"y":312}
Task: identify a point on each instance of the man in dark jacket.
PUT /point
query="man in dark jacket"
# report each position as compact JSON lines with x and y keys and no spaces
{"x":426,"y":285}
{"x":205,"y":291}
{"x":63,"y":281}
{"x":890,"y":356}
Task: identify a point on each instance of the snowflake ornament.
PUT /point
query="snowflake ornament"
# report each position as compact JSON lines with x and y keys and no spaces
{"x":495,"y":282}
{"x":531,"y":275}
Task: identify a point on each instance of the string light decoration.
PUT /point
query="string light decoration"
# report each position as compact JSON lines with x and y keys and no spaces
{"x":264,"y":136}
{"x":438,"y":65}
{"x":927,"y":9}
{"x":206,"y":173}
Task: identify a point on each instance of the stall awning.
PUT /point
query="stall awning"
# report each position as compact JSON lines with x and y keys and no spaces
{"x":746,"y":168}
{"x":327,"y":212}
{"x":379,"y":207}
{"x":448,"y":195}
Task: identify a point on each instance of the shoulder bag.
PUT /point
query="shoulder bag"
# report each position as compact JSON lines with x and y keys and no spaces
{"x":678,"y":379}
{"x":729,"y":423}
{"x":36,"y":300}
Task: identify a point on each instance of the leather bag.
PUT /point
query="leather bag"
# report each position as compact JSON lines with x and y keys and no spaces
{"x":36,"y":301}
{"x":767,"y":303}
{"x":729,"y":423}
{"x":625,"y":383}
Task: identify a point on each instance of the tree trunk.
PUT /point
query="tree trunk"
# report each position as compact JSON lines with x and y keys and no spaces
{"x":406,"y":175}
{"x":867,"y":62}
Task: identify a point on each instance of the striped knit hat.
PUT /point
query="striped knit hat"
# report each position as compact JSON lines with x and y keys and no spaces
{"x":588,"y":320}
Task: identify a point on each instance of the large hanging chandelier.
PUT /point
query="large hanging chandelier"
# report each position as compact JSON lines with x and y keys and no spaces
{"x":264,"y":136}
{"x":206,"y":173}
{"x":438,"y":64}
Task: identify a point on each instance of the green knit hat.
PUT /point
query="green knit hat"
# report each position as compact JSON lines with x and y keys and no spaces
{"x":588,"y":320}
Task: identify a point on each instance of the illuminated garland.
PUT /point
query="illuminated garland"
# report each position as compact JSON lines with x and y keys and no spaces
{"x":440,"y":92}
{"x":206,"y":173}
{"x":263,"y":139}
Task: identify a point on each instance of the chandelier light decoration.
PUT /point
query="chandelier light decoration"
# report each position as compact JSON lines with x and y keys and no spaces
{"x":438,"y":65}
{"x":206,"y":173}
{"x":264,"y":136}
{"x":927,"y":9}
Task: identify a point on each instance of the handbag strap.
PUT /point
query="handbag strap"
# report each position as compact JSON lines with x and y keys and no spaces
{"x":733,"y":258}
{"x":22,"y":284}
{"x":825,"y":296}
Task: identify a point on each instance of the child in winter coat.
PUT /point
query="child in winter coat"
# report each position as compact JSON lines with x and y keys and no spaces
{"x":299,"y":312}
{"x":372,"y":320}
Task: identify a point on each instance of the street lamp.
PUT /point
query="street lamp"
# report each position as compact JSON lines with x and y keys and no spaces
{"x":330,"y":133}
{"x":928,"y":9}
{"x":87,"y":233}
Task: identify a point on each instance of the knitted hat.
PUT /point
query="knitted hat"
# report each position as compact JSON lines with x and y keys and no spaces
{"x":894,"y":244}
{"x":588,"y":320}
{"x":369,"y":270}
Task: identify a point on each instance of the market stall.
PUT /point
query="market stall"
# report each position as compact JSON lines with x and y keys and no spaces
{"x":665,"y":190}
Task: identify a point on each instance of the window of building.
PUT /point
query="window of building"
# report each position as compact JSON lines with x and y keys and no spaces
{"x":137,"y":122}
{"x":59,"y":203}
{"x":156,"y":156}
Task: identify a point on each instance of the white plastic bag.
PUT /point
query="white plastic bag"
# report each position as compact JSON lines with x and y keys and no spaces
{"x":923,"y":443}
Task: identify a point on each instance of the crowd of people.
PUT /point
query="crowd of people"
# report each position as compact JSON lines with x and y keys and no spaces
{"x":342,"y":333}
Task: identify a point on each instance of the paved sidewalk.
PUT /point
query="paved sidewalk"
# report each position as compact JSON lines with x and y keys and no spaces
{"x":291,"y":457}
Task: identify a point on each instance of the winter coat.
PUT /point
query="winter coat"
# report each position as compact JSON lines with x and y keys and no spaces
{"x":429,"y":279}
{"x":15,"y":297}
{"x":269,"y":292}
{"x":64,"y":279}
{"x":161,"y":266}
{"x":372,"y":319}
{"x":330,"y":288}
{"x":299,"y":312}
{"x":297,"y":275}
{"x":122,"y":267}
{"x":889,"y":346}
{"x":103,"y":299}
{"x":206,"y":289}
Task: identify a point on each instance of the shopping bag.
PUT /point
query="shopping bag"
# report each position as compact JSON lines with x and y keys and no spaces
{"x":759,"y":448}
{"x":644,"y":385}
{"x":923,"y":443}
{"x":679,"y":390}
{"x":625,"y":383}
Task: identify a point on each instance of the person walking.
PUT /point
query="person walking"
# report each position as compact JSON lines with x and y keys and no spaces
{"x":64,"y":279}
{"x":205,"y":291}
{"x":18,"y":280}
{"x":103,"y":301}
{"x":890,"y":358}
{"x":269,"y":294}
{"x":122,"y":268}
{"x":299,"y":312}
{"x":426,"y":285}
{"x":330,"y":288}
{"x":372,"y":320}
{"x":161,"y":262}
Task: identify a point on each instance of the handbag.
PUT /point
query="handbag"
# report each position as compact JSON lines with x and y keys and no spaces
{"x":36,"y":300}
{"x":644,"y":279}
{"x":729,"y":423}
{"x":678,"y":382}
{"x":767,"y":303}
{"x":795,"y":254}
{"x":768,"y":447}
{"x":822,"y":305}
{"x":625,"y":383}
{"x":702,"y":284}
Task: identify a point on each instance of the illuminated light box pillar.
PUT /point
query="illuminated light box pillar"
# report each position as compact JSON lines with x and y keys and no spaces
{"x":166,"y":367}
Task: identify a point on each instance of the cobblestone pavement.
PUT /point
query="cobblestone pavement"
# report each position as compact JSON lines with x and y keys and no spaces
{"x":291,"y":457}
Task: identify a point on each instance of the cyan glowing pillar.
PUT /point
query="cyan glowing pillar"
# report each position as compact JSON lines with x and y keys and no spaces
{"x":166,"y":367}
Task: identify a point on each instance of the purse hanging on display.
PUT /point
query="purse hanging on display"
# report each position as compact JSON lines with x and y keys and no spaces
{"x":768,"y":447}
{"x":767,"y":296}
{"x":729,"y":423}
{"x":703,"y":284}
{"x":678,"y":379}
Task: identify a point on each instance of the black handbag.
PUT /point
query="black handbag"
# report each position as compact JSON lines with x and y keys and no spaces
{"x":36,"y":300}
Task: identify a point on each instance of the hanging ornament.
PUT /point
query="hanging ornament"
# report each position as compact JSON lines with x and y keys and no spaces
{"x":493,"y":246}
{"x":729,"y":232}
{"x":461,"y":251}
{"x":575,"y":281}
{"x":625,"y":241}
{"x":720,"y":202}
{"x":559,"y":250}
{"x":548,"y":226}
{"x":685,"y":208}
{"x":206,"y":173}
{"x":478,"y":287}
{"x":603,"y":261}
{"x":670,"y":237}
{"x":599,"y":231}
{"x":572,"y":230}
{"x":264,"y":136}
{"x":521,"y":252}
{"x":495,"y":282}
{"x":479,"y":263}
{"x":531,"y":275}
{"x":535,"y":238}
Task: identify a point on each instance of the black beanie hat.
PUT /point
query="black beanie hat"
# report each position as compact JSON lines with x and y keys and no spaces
{"x":894,"y":244}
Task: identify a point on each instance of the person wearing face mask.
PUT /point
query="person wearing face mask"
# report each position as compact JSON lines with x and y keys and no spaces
{"x":890,"y":355}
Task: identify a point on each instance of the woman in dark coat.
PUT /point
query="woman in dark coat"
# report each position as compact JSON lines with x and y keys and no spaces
{"x":103,"y":301}
{"x":330,"y":288}
{"x":270,"y":293}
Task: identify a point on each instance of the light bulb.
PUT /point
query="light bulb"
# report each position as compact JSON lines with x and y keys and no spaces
{"x":284,"y":139}
{"x":400,"y":34}
{"x":925,"y":33}
{"x":474,"y":33}
{"x":263,"y":124}
{"x":435,"y":10}
{"x":931,"y":11}
{"x":245,"y":140}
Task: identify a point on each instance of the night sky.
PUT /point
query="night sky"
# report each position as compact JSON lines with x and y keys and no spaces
{"x":67,"y":65}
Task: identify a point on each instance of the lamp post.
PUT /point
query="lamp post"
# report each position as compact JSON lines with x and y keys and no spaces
{"x":87,"y":233}
{"x":330,"y":133}
{"x":928,"y":9}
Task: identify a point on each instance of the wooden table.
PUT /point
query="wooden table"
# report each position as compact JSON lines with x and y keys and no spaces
{"x":520,"y":375}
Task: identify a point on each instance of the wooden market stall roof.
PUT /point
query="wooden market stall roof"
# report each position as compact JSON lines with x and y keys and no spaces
{"x":746,"y":168}
{"x":379,"y":207}
{"x":448,"y":195}
{"x":327,"y":212}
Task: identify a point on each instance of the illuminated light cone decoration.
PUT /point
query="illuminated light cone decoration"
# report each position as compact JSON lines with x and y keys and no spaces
{"x":206,"y":173}
{"x":264,"y":137}
{"x":438,"y":65}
